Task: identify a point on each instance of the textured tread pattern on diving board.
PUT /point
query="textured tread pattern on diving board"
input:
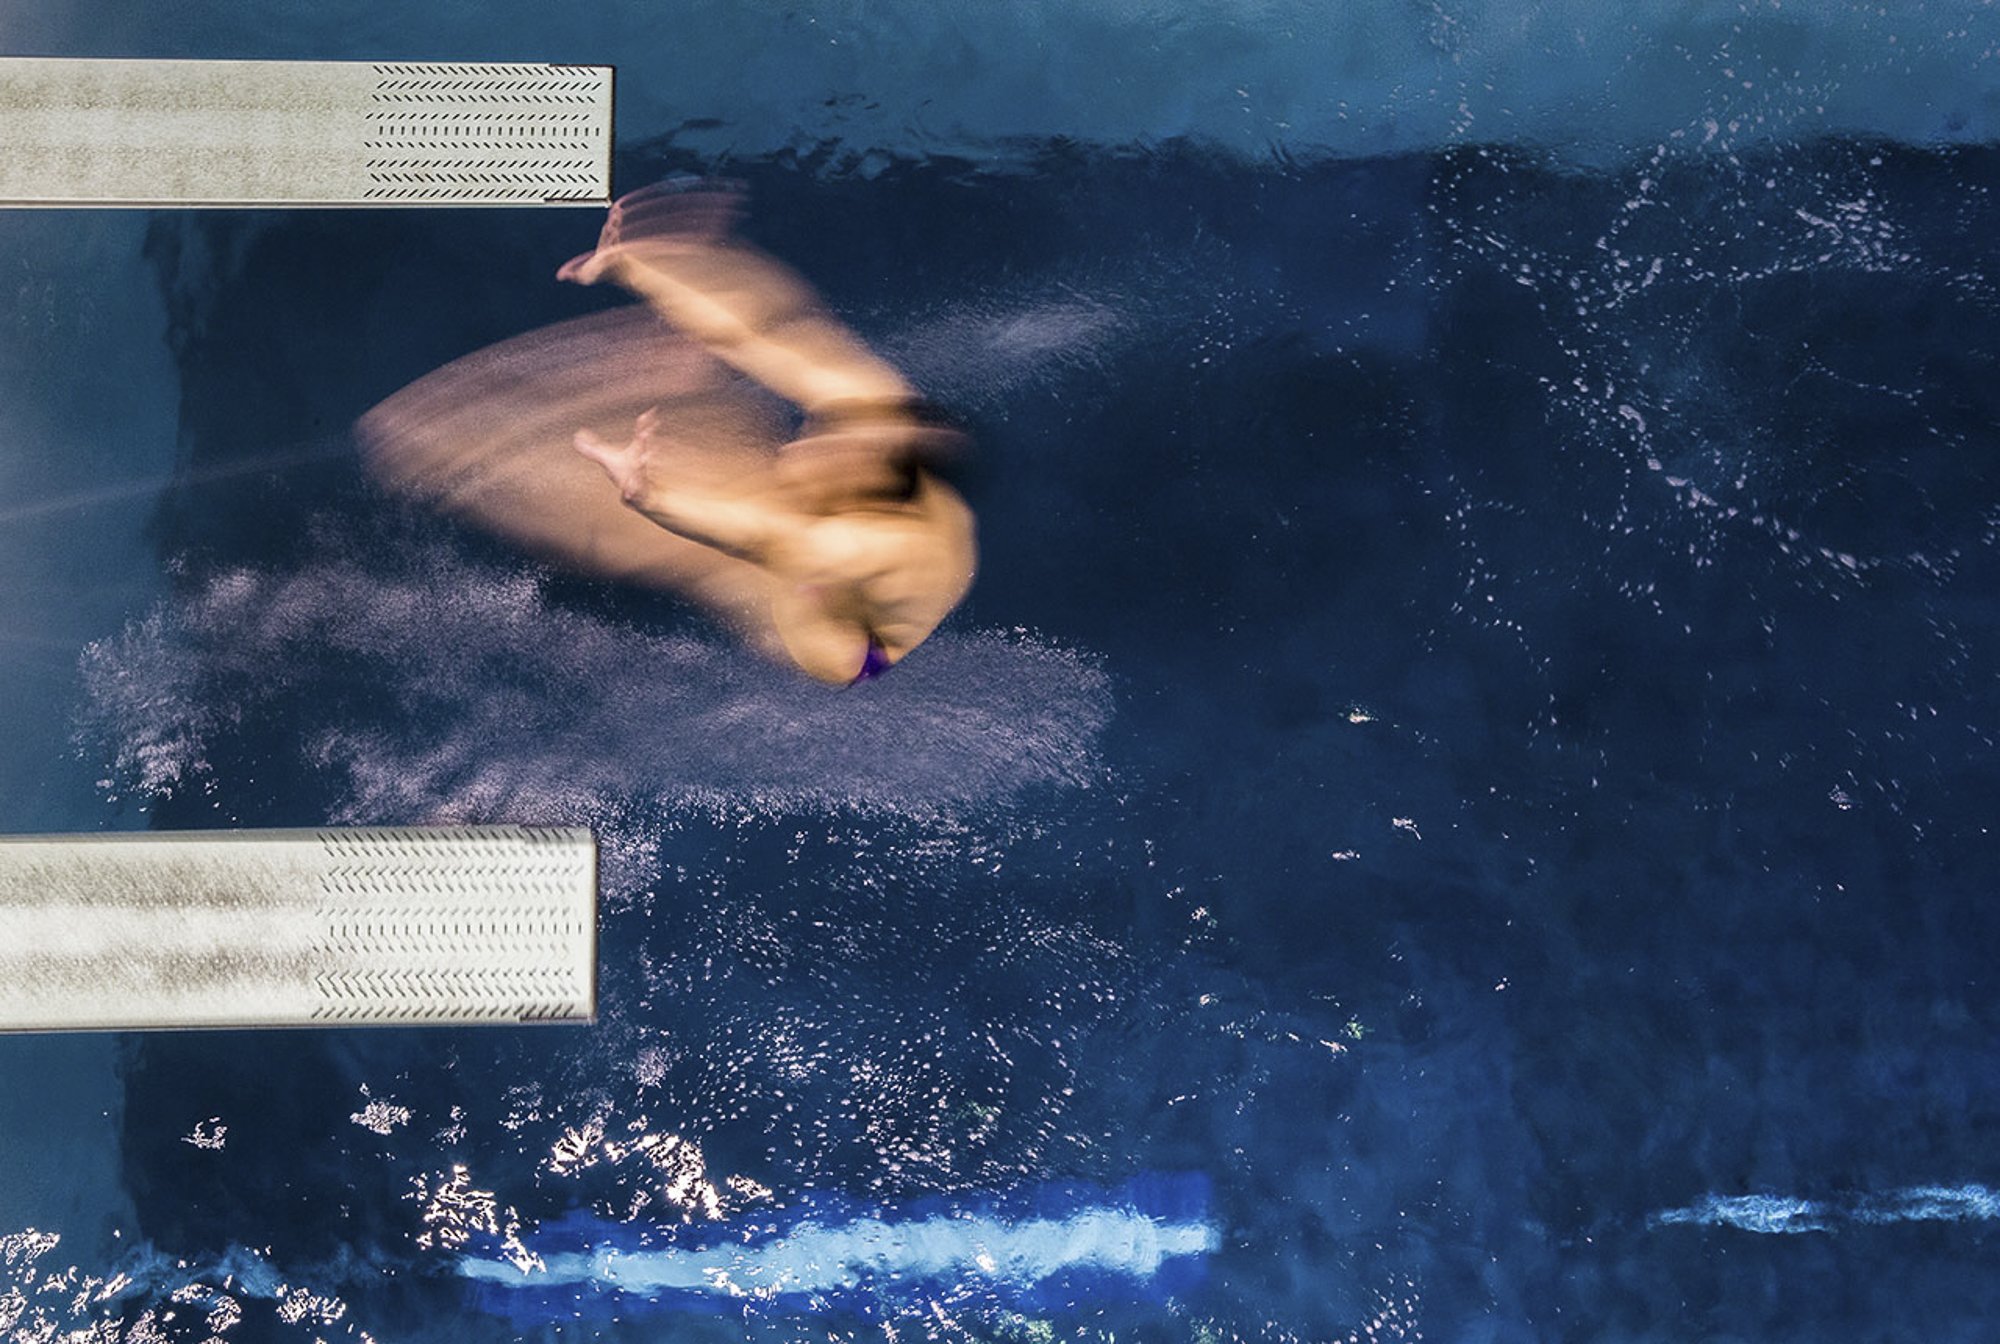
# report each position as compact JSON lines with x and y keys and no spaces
{"x":252,"y":133}
{"x":487,"y":133}
{"x":297,"y":928}
{"x":450,"y":925}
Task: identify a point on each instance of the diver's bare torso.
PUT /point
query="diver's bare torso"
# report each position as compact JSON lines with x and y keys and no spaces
{"x":870,"y":578}
{"x":884,"y":575}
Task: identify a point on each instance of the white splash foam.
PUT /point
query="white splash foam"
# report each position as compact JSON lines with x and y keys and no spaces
{"x":817,"y":1259}
{"x":432,"y":689}
{"x":1785,"y":1215}
{"x":1931,"y":1204}
{"x":1751,"y":1213}
{"x":980,"y":351}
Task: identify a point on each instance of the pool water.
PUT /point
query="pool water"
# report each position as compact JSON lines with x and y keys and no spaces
{"x":1458,"y":808}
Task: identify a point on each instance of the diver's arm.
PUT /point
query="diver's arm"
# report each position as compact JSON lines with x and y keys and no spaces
{"x":737,"y":523}
{"x":753,"y":315}
{"x":738,"y":526}
{"x":671,"y":247}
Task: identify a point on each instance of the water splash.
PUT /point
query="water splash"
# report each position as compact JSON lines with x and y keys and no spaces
{"x":1063,"y":1242}
{"x":1789,"y":1215}
{"x":430,"y":688}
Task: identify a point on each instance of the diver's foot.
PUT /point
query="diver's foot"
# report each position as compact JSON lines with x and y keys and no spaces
{"x":586,"y":268}
{"x":677,"y":216}
{"x":687,"y":211}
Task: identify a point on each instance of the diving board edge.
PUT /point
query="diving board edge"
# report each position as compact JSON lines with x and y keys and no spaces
{"x":390,"y":134}
{"x":298,"y":928}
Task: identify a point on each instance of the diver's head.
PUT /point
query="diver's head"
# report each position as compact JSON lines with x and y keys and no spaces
{"x":862,"y":452}
{"x":829,"y":478}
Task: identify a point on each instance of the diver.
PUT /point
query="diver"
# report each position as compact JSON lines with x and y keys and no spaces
{"x":867,"y":548}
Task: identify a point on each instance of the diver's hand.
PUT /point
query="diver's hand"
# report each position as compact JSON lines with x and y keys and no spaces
{"x":736,"y":522}
{"x":626,"y":464}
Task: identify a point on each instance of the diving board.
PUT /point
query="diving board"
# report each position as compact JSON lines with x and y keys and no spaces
{"x":335,"y":927}
{"x":283,"y":133}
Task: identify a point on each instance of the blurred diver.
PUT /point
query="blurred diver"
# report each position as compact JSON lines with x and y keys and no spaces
{"x":870,"y":549}
{"x":841,"y":549}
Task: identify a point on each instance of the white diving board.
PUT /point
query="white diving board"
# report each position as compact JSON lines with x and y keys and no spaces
{"x":336,"y":927}
{"x":285,"y":133}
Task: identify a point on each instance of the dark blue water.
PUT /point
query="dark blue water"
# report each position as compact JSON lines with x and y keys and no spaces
{"x":1468,"y":763}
